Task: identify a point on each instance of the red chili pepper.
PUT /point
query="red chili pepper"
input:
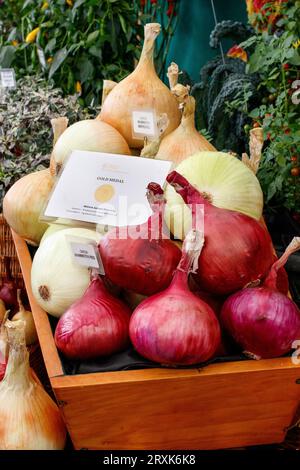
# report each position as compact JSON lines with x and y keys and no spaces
{"x":143,"y":3}
{"x":153,"y":2}
{"x":171,"y":10}
{"x":286,"y":66}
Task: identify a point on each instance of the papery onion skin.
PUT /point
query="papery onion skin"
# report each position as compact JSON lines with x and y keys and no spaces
{"x":262,"y":321}
{"x":96,"y":325}
{"x":56,"y":280}
{"x":185,"y":140}
{"x":23,"y":204}
{"x":141,"y":90}
{"x":145,"y":261}
{"x":226,"y":181}
{"x":2,"y":310}
{"x":238,"y":250}
{"x":29,"y":418}
{"x":143,"y":266}
{"x":90,"y":135}
{"x":175,"y":327}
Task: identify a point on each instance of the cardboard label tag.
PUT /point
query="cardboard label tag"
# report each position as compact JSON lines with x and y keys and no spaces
{"x":105,"y":189}
{"x":86,"y":254}
{"x":144,"y":124}
{"x":7,"y":78}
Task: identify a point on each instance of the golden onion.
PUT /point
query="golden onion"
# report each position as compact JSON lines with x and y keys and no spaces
{"x":24,"y":202}
{"x":141,"y":90}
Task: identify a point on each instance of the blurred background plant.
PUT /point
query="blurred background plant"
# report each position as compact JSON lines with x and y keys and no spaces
{"x":76,"y":44}
{"x":255,"y":84}
{"x":26,"y":134}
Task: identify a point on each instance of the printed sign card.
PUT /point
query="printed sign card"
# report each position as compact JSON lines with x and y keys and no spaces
{"x":106,"y":189}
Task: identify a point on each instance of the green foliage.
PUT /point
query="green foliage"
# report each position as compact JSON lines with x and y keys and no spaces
{"x":26,"y":134}
{"x":82,"y":41}
{"x":229,"y":29}
{"x":224,"y":96}
{"x":231,"y":97}
{"x":275,"y":57}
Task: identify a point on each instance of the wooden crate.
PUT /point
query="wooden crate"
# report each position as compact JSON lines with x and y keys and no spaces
{"x":220,"y":406}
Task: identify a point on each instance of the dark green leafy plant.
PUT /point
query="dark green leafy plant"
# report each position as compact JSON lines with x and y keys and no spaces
{"x":234,"y":96}
{"x":224,"y":96}
{"x":26,"y":134}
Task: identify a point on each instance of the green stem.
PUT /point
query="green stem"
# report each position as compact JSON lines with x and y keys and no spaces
{"x":285,"y":91}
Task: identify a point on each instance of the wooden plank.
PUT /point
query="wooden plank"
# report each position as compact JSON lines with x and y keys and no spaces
{"x":49,"y":351}
{"x":225,"y":368}
{"x":204,"y":412}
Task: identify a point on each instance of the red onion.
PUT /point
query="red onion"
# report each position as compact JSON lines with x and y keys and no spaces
{"x":176,"y":326}
{"x":238,"y":249}
{"x":8,"y":290}
{"x":141,"y":258}
{"x":95,"y":325}
{"x":3,"y":347}
{"x":262,"y":320}
{"x":282,"y":282}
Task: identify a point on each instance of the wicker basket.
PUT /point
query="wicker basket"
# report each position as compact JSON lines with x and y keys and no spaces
{"x":7,"y":249}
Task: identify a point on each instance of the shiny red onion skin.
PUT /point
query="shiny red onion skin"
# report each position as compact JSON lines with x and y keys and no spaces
{"x":282,"y":281}
{"x":96,"y":325}
{"x":262,"y":321}
{"x":238,"y":250}
{"x":2,"y":370}
{"x":175,"y":327}
{"x":141,"y":265}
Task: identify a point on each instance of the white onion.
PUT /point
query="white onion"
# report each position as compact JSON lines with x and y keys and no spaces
{"x":56,"y":280}
{"x":90,"y":135}
{"x":226,"y":181}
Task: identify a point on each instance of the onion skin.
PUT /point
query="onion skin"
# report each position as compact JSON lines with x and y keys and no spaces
{"x":8,"y":291}
{"x":2,"y":310}
{"x":238,"y":250}
{"x":264,"y":322}
{"x":56,"y":281}
{"x":23,"y":203}
{"x":144,"y":265}
{"x":185,"y":140}
{"x":227,"y":182}
{"x":175,"y":327}
{"x":141,"y":90}
{"x":90,"y":135}
{"x":96,"y":325}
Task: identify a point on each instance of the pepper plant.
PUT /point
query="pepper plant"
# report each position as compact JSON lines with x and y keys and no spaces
{"x":76,"y":44}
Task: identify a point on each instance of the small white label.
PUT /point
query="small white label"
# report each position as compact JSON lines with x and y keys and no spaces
{"x":144,"y":124}
{"x":7,"y":78}
{"x":85,"y":254}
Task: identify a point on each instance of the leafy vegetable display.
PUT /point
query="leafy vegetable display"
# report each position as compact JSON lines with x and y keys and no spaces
{"x":257,"y":83}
